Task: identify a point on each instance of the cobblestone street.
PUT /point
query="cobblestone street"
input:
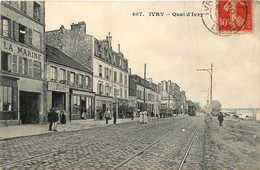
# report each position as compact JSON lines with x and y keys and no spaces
{"x":104,"y":147}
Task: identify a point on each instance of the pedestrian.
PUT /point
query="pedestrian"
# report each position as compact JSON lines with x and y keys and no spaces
{"x":55,"y":119}
{"x":145,"y":117}
{"x":83,"y":113}
{"x":63,"y":117}
{"x":114,"y":116}
{"x":220,"y":118}
{"x":50,"y":118}
{"x":107,"y":115}
{"x":132,"y":114}
{"x":141,"y":117}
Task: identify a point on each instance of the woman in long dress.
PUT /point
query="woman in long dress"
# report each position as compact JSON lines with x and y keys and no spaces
{"x":141,"y":117}
{"x":145,"y":117}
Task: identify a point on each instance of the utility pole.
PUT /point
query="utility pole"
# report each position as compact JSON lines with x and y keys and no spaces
{"x":144,"y":84}
{"x":210,"y":71}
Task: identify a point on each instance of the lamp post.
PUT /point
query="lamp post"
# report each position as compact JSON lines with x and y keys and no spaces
{"x":210,"y":71}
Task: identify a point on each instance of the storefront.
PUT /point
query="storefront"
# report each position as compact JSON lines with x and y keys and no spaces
{"x":102,"y":103}
{"x":58,"y":96}
{"x":82,"y":101}
{"x":9,"y":100}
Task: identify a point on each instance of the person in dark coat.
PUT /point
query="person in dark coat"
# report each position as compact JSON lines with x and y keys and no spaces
{"x":220,"y":118}
{"x":55,"y":118}
{"x":114,"y":116}
{"x":63,"y":117}
{"x":50,"y":118}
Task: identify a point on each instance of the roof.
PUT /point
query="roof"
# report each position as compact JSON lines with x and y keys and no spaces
{"x":57,"y":56}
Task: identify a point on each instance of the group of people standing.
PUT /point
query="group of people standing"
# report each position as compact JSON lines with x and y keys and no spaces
{"x":54,"y":117}
{"x":143,"y":117}
{"x":107,"y":116}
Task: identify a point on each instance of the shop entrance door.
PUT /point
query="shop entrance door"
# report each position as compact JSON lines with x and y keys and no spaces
{"x":58,"y":100}
{"x":29,"y":107}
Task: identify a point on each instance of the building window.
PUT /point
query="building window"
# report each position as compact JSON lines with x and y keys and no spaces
{"x":107,"y":73}
{"x":5,"y":61}
{"x":100,"y":89}
{"x":36,"y":11}
{"x":21,"y":5}
{"x":22,"y":33}
{"x":125,"y":79}
{"x":62,"y":76}
{"x":36,"y":40}
{"x":121,"y":77}
{"x":125,"y":93}
{"x":100,"y":70}
{"x":6,"y":27}
{"x":53,"y":73}
{"x":5,"y":98}
{"x":121,"y":92}
{"x":80,"y":80}
{"x":115,"y":76}
{"x":72,"y":78}
{"x":37,"y":69}
{"x":87,"y":81}
{"x":115,"y":92}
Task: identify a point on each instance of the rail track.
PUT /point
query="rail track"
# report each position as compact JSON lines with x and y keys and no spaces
{"x":77,"y":147}
{"x":156,"y":142}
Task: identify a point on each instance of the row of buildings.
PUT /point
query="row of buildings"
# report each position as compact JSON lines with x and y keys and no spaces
{"x":70,"y":70}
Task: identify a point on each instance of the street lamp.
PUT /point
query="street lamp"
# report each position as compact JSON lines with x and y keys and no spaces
{"x":210,"y":71}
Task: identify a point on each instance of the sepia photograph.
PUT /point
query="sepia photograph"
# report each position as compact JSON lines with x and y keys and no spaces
{"x":153,"y":84}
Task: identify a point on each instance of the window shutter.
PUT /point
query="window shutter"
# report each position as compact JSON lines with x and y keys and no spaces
{"x":14,"y":100}
{"x":68,"y":77}
{"x":15,"y":70}
{"x":29,"y":36}
{"x":30,"y":67}
{"x":21,"y":65}
{"x":16,"y":31}
{"x":76,"y":79}
{"x":11,"y":27}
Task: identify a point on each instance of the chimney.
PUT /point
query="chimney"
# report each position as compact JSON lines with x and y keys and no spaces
{"x":110,"y":40}
{"x":79,"y":27}
{"x":119,"y":48}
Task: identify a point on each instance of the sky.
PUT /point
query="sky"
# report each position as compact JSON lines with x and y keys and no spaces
{"x":173,"y":48}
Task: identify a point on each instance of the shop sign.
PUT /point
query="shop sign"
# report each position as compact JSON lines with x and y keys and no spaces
{"x":52,"y":86}
{"x":77,"y":92}
{"x":8,"y":82}
{"x":21,"y":51}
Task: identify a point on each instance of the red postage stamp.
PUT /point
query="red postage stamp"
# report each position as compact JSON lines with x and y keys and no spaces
{"x":234,"y":16}
{"x":227,"y":17}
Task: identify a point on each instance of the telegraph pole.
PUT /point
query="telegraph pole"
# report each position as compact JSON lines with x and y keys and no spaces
{"x":144,"y":83}
{"x":210,"y":71}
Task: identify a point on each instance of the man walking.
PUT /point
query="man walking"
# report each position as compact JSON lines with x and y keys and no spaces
{"x":114,"y":116}
{"x":220,"y":118}
{"x":107,"y":115}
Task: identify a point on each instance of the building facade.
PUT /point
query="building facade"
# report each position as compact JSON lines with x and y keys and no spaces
{"x":69,"y":85}
{"x":144,"y":95}
{"x":22,"y":62}
{"x":110,"y":68}
{"x":184,"y":107}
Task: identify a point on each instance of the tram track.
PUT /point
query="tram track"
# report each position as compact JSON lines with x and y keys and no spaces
{"x":99,"y":151}
{"x":153,"y":144}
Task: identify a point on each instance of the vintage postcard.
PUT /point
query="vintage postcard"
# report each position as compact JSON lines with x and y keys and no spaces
{"x":130,"y":84}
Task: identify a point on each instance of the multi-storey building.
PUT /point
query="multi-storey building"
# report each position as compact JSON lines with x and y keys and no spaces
{"x":176,"y":97}
{"x":166,"y":95}
{"x":143,"y":95}
{"x":183,"y":102}
{"x":22,"y":61}
{"x":110,"y":68}
{"x":69,"y":84}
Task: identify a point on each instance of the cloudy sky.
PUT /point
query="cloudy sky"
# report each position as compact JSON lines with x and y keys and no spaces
{"x":173,"y":47}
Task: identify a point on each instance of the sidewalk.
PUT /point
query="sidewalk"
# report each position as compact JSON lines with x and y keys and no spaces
{"x":10,"y":132}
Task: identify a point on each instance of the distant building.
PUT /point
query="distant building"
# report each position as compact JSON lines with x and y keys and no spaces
{"x":22,"y":62}
{"x":170,"y":97}
{"x":140,"y":88}
{"x":183,"y":100}
{"x":69,"y":85}
{"x":110,"y":79}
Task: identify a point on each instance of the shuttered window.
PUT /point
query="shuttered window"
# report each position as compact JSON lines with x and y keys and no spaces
{"x":15,"y":70}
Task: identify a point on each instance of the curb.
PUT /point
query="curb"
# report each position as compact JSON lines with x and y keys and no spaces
{"x":47,"y":133}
